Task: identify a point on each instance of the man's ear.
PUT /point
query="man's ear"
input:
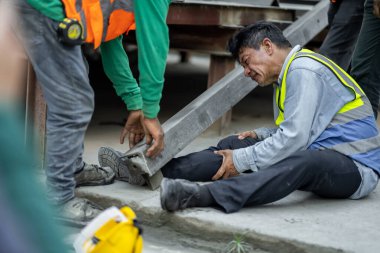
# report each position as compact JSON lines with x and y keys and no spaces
{"x":268,"y":46}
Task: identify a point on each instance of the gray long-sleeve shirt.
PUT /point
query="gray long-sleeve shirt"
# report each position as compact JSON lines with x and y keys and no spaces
{"x":313,"y":96}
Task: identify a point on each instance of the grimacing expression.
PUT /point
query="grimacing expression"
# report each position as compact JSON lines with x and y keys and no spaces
{"x":256,"y":64}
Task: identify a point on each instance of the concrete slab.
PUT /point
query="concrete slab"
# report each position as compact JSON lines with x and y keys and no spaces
{"x":300,"y":222}
{"x":154,"y":241}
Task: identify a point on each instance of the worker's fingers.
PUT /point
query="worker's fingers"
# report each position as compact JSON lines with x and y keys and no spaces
{"x":152,"y":150}
{"x":134,"y":140}
{"x":220,"y":152}
{"x":244,"y":135}
{"x":122,"y":135}
{"x":154,"y":136}
{"x":227,"y":169}
{"x":226,"y":174}
{"x":156,"y":148}
{"x":222,"y":168}
{"x":138,"y":138}
{"x":148,"y":139}
{"x":219,"y":173}
{"x":131,"y":138}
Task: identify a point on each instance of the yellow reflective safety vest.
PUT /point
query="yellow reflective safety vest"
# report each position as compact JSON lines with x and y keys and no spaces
{"x":102,"y":20}
{"x":344,"y":78}
{"x":352,"y":131}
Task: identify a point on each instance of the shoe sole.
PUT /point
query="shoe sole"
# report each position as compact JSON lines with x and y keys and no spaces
{"x":108,"y":157}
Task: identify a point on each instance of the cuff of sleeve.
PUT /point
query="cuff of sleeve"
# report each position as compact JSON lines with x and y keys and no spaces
{"x":242,"y":161}
{"x":262,"y":133}
{"x":151,"y":110}
{"x":133,"y":101}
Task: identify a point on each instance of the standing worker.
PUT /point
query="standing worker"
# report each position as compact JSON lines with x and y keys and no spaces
{"x":345,"y":19}
{"x":53,"y":46}
{"x":366,"y":58}
{"x":326,"y":140}
{"x":23,"y":207}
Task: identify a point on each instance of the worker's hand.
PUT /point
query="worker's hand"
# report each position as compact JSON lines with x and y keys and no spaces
{"x":376,"y":8}
{"x":154,"y":137}
{"x":228,"y":168}
{"x":246,"y":134}
{"x":133,"y":128}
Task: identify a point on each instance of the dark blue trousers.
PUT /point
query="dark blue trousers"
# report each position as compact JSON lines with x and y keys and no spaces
{"x":324,"y":172}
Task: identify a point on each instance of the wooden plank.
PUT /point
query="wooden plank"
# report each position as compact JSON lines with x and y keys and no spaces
{"x":224,"y":16}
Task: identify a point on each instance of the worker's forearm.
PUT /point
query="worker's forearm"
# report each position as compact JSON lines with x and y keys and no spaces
{"x":116,"y":66}
{"x":153,"y":45}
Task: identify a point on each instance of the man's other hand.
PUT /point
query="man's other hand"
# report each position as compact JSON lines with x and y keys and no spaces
{"x":228,"y":168}
{"x":246,"y":134}
{"x":133,"y":128}
{"x":154,"y":136}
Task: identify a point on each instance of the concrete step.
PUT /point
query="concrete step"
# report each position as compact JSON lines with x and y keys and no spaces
{"x":155,"y":241}
{"x":299,"y":223}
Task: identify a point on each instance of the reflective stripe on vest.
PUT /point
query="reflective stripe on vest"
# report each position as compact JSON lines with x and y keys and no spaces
{"x":353,"y":130}
{"x":103,"y":20}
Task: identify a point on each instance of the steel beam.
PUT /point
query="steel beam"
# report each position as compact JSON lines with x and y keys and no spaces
{"x":196,"y":117}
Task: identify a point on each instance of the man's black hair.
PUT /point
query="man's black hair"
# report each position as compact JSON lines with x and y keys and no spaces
{"x":253,"y":35}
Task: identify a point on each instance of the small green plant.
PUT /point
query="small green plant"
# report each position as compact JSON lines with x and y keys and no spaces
{"x":238,"y":245}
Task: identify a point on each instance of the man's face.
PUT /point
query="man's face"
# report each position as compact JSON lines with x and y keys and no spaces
{"x":257,"y":65}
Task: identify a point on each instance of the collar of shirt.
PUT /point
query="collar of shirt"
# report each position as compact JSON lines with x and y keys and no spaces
{"x":293,"y":51}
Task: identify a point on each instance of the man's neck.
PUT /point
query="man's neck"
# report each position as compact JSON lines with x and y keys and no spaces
{"x":280,"y":60}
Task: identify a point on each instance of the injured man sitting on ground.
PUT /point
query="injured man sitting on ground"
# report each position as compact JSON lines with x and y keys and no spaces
{"x":326,"y":141}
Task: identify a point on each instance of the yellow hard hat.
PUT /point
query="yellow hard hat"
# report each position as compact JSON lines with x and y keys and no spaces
{"x":113,"y":231}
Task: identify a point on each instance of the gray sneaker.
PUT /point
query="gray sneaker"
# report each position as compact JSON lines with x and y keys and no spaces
{"x":109,"y":157}
{"x":78,"y":211}
{"x":178,"y":194}
{"x":92,"y":174}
